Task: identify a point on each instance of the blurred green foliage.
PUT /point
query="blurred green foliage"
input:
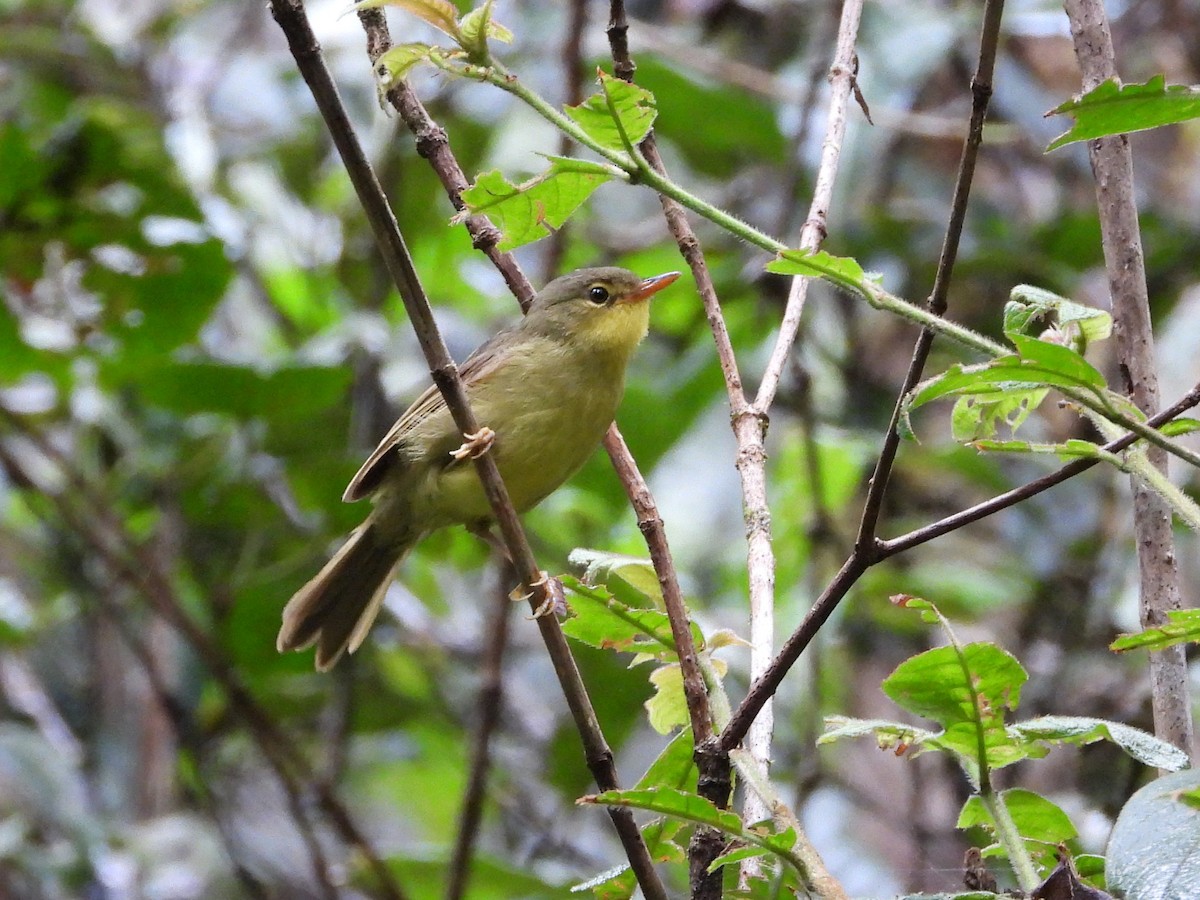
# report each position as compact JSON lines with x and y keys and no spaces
{"x":198,"y":344}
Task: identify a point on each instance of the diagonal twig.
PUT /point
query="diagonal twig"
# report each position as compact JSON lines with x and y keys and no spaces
{"x":291,"y":17}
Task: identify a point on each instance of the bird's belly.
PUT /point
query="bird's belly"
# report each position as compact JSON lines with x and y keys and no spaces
{"x":537,"y":447}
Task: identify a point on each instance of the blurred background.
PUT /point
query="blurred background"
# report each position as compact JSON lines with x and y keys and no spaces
{"x":199,"y":344}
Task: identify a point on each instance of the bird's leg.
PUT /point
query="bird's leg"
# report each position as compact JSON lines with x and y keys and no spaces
{"x":556,"y":597}
{"x":475,"y":444}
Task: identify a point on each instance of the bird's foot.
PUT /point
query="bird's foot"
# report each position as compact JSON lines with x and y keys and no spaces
{"x":556,"y":598}
{"x":475,"y":444}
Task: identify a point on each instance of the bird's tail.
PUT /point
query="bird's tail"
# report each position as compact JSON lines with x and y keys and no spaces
{"x":336,"y":608}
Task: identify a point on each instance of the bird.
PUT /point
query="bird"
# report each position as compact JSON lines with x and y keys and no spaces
{"x":544,"y":391}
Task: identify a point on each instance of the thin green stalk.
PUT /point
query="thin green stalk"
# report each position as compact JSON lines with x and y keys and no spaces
{"x":639,"y":170}
{"x":1010,"y":839}
{"x":718,"y":700}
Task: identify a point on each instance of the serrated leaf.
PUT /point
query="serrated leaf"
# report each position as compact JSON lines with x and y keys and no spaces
{"x":1028,"y":304}
{"x":672,"y":802}
{"x":1114,"y":108}
{"x":1182,"y":625}
{"x":840,"y":270}
{"x":477,"y":26}
{"x":1040,"y":365}
{"x":1081,"y":730}
{"x":618,"y":114}
{"x":897,"y":736}
{"x":1058,"y":360}
{"x":441,"y":14}
{"x":602,"y":620}
{"x":938,"y":685}
{"x":395,"y":65}
{"x":535,"y":208}
{"x":967,"y":690}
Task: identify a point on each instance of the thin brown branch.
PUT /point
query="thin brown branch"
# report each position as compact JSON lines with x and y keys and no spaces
{"x":981,"y":93}
{"x":1112,"y":166}
{"x":926,"y":533}
{"x":491,"y":698}
{"x":291,"y":17}
{"x":715,"y":775}
{"x":572,"y":70}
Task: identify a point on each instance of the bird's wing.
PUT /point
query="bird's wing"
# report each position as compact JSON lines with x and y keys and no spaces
{"x":477,"y":368}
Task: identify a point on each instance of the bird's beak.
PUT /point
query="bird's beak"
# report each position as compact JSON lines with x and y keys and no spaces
{"x":649,"y":287}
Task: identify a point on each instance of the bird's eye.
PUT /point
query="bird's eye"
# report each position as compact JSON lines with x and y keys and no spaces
{"x":598,"y":294}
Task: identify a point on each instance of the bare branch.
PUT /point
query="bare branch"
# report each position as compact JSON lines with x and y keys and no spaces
{"x":981,"y":93}
{"x":1112,"y":165}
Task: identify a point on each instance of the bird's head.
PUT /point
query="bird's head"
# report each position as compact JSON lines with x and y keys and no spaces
{"x":601,"y":308}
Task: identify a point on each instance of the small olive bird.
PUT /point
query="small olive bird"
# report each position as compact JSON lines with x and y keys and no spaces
{"x":544,"y":391}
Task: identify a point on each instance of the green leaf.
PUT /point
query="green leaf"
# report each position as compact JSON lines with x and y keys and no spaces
{"x":618,"y":116}
{"x":897,"y":736}
{"x":839,"y":270}
{"x":1042,"y":824}
{"x":1028,"y":304}
{"x":967,"y":690}
{"x":977,"y":417}
{"x":601,"y":620}
{"x":667,"y":708}
{"x":1067,"y":450}
{"x":1039,"y":364}
{"x":941,"y":686}
{"x":395,"y":65}
{"x":674,"y":767}
{"x":1114,"y":108}
{"x":441,"y":14}
{"x":698,"y":810}
{"x":1183,"y":625}
{"x":1081,"y":730}
{"x":1176,"y":427}
{"x":477,"y":26}
{"x":533,"y":209}
{"x":627,"y":573}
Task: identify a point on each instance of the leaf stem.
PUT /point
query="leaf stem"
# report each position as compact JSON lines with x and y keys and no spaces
{"x":1010,"y":839}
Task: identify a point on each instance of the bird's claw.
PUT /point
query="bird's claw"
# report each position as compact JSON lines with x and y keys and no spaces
{"x":475,"y":444}
{"x":555,"y":602}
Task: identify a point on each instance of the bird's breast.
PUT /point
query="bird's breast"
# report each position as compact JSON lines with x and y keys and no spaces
{"x":549,"y":407}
